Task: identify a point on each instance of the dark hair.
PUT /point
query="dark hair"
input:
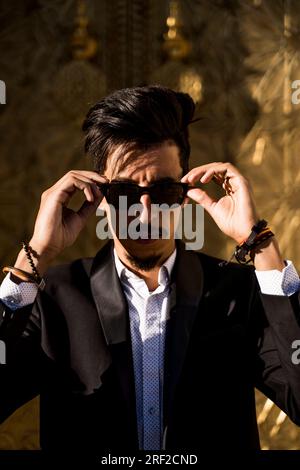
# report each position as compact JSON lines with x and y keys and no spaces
{"x":138,"y":118}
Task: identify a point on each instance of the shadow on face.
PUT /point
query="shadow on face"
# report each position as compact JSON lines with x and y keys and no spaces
{"x":157,"y":164}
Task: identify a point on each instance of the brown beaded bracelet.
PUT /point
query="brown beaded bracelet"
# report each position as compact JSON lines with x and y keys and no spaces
{"x":35,"y":273}
{"x":38,"y":279}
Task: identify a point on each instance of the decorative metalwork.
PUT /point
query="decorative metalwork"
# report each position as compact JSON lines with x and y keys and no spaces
{"x":270,"y":155}
{"x":175,"y":73}
{"x":80,"y":83}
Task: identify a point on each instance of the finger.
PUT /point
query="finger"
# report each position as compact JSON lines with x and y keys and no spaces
{"x":199,"y":170}
{"x":89,"y":194}
{"x":197,"y":173}
{"x":87,"y":209}
{"x":95,"y":185}
{"x":222,"y":179}
{"x":86,"y":187}
{"x":98,"y":195}
{"x":184,"y":179}
{"x":202,"y":198}
{"x":95,"y":192}
{"x":212,"y":174}
{"x":82,"y":177}
{"x":89,"y":175}
{"x":71,"y":186}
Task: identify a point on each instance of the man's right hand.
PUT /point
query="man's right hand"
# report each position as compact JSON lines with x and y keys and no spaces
{"x":58,"y":226}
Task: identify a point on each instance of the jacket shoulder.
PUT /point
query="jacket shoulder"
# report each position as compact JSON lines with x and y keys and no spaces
{"x":76,"y":270}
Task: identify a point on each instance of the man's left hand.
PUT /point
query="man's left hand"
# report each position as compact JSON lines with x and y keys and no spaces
{"x":235,"y":212}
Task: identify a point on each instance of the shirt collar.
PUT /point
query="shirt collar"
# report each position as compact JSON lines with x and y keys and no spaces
{"x":164,"y":273}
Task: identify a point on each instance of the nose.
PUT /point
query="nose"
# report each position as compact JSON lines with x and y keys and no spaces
{"x":145,"y":216}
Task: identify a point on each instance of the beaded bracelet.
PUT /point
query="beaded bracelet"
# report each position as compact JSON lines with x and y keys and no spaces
{"x":38,"y":279}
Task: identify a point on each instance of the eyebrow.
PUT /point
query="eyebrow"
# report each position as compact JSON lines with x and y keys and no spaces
{"x":159,"y":180}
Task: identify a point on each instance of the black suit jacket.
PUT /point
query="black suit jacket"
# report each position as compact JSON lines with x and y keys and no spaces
{"x":223,"y":338}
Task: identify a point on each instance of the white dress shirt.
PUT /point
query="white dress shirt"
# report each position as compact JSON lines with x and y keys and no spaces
{"x":148,"y":314}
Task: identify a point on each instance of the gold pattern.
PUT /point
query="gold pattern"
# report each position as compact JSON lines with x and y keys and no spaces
{"x":175,"y":73}
{"x":79,"y":82}
{"x":84,"y":47}
{"x":41,"y":138}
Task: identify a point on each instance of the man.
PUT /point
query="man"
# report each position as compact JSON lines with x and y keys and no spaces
{"x":148,"y":345}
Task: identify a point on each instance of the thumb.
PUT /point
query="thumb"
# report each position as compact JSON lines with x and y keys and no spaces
{"x":202,"y":198}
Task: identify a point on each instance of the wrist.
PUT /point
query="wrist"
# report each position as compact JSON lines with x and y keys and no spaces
{"x":245,"y":230}
{"x":41,"y":252}
{"x":260,"y":233}
{"x":41,"y":256}
{"x":259,"y":249}
{"x":267,"y":256}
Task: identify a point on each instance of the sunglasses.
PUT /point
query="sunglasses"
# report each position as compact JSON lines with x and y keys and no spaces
{"x":165,"y":192}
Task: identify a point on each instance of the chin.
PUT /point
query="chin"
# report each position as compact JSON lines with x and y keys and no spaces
{"x":145,"y":247}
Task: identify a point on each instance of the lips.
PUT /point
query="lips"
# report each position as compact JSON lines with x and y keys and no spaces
{"x":146,"y":241}
{"x":146,"y":237}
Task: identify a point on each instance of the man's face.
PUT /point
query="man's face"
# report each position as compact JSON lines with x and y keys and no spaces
{"x":157,"y":164}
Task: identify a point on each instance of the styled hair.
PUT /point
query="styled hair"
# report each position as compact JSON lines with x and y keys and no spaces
{"x":138,"y":118}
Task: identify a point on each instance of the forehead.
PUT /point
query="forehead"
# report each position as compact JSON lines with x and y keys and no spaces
{"x":139,"y":165}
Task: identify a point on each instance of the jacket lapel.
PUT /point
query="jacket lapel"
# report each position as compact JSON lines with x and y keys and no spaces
{"x":113,"y":314}
{"x":109,"y":297}
{"x":186,"y":293}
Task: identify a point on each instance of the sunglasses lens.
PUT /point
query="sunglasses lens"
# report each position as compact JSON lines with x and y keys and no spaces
{"x":168,"y":193}
{"x":116,"y":190}
{"x":160,"y":193}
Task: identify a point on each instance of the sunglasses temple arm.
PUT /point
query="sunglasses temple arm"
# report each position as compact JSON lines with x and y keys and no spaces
{"x":102,"y":186}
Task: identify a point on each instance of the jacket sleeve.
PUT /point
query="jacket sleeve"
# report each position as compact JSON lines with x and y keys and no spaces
{"x":20,"y":368}
{"x":276,"y":323}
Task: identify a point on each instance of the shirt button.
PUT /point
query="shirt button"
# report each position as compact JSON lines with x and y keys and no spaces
{"x":150,"y":352}
{"x":13,"y":299}
{"x":151,"y":320}
{"x":152,"y":411}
